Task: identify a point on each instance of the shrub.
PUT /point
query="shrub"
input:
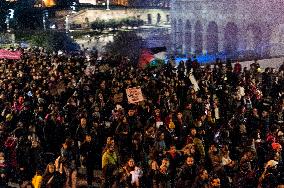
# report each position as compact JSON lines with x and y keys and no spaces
{"x":50,"y":40}
{"x":116,"y":24}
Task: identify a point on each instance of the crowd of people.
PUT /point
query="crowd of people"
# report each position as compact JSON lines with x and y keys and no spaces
{"x":208,"y":126}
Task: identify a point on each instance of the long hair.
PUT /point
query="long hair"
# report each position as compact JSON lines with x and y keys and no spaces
{"x":46,"y":172}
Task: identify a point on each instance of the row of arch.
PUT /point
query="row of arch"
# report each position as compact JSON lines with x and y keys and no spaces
{"x":188,"y":38}
{"x":159,"y":19}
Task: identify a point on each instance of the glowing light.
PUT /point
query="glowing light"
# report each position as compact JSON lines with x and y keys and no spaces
{"x":53,"y":26}
{"x":11,"y":13}
{"x":49,"y":3}
{"x":93,"y":2}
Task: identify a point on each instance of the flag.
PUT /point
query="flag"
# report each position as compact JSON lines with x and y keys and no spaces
{"x":152,"y":57}
{"x":145,"y":58}
{"x":159,"y":52}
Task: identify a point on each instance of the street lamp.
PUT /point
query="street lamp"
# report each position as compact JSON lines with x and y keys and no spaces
{"x":107,"y":5}
{"x":67,"y":21}
{"x":44,"y":22}
{"x":73,"y":7}
{"x":7,"y":21}
{"x":44,"y":19}
{"x":9,"y":16}
{"x":67,"y":24}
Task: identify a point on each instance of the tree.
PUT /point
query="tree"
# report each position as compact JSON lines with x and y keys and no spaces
{"x":126,"y":43}
{"x":50,"y":40}
{"x":4,"y":6}
{"x":28,"y":18}
{"x":99,"y":25}
{"x":25,"y":3}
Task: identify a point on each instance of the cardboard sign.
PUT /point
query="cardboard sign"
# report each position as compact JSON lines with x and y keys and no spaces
{"x":134,"y":95}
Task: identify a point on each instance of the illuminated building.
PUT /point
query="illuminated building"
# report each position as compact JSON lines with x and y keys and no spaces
{"x":100,"y":2}
{"x":93,"y":2}
{"x":49,"y":3}
{"x":243,"y":28}
{"x":44,"y":3}
{"x":120,"y":2}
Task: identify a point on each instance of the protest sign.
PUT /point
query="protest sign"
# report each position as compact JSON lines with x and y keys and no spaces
{"x":134,"y":95}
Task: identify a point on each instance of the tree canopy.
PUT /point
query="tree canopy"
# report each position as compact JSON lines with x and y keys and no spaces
{"x":126,"y":43}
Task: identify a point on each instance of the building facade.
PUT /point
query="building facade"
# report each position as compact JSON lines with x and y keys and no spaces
{"x":120,"y":2}
{"x":92,"y":2}
{"x":131,"y":3}
{"x":100,"y":2}
{"x":236,"y":27}
{"x":153,"y":16}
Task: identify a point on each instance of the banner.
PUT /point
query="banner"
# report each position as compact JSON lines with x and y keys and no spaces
{"x":6,"y":54}
{"x":134,"y":95}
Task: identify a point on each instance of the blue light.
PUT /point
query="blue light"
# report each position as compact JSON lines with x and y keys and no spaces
{"x":203,"y":59}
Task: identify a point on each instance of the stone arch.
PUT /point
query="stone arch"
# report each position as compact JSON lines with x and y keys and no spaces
{"x":212,"y":38}
{"x":187,"y":37}
{"x":277,"y":34}
{"x":179,"y":36}
{"x":276,"y":46}
{"x":149,"y":19}
{"x":231,"y":38}
{"x":198,"y":37}
{"x":158,"y":18}
{"x":254,"y":39}
{"x":281,"y":34}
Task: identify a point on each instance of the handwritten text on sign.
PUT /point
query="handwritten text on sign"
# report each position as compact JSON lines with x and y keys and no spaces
{"x":134,"y":95}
